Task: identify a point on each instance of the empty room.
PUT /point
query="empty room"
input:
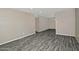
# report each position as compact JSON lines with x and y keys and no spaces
{"x":39,"y":29}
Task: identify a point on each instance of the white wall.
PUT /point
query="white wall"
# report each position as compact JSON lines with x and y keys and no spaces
{"x":52,"y":23}
{"x":15,"y":24}
{"x":65,"y":22}
{"x":36,"y":24}
{"x":42,"y":24}
{"x":77,"y":23}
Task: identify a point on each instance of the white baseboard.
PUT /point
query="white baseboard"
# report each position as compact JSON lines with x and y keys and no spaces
{"x":17,"y":38}
{"x":65,"y":34}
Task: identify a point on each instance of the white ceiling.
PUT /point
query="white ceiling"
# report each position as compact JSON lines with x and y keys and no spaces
{"x":46,"y":12}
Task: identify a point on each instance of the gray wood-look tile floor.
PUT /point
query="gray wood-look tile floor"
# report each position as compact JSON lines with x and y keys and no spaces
{"x":43,"y":41}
